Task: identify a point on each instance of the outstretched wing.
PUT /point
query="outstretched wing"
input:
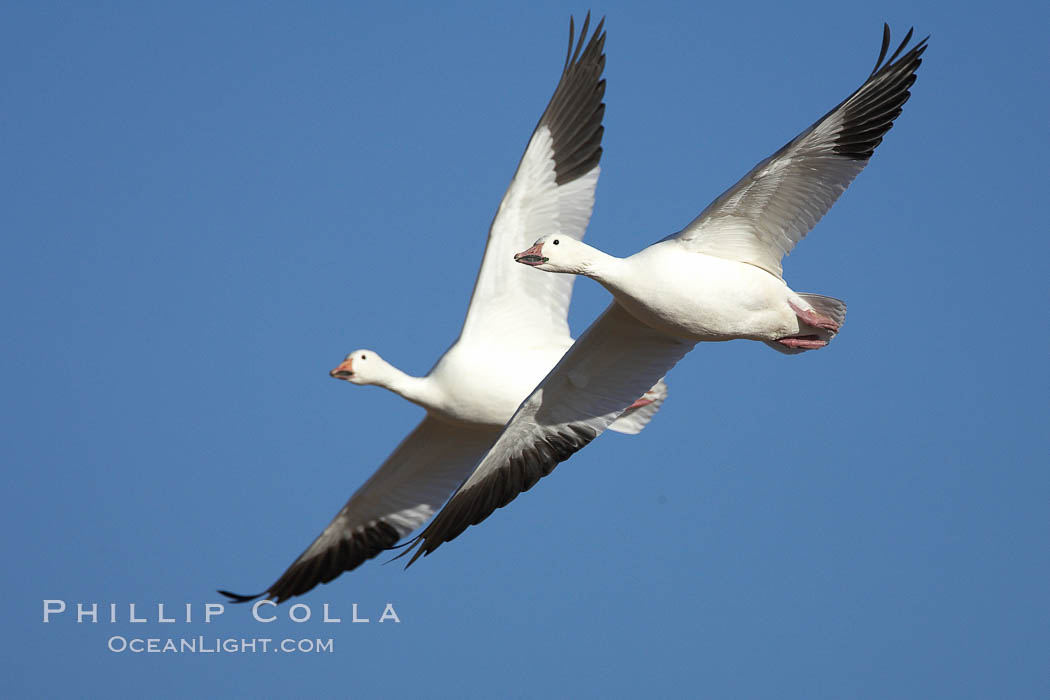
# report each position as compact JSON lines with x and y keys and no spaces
{"x":406,"y":490}
{"x":552,"y":192}
{"x":761,"y":218}
{"x":613,"y":363}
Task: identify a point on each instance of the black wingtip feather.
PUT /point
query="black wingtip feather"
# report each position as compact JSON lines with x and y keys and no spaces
{"x":870,"y":111}
{"x":520,"y":473}
{"x":239,"y":598}
{"x":885,"y":47}
{"x":347,"y":555}
{"x":907,"y":38}
{"x":579,"y":43}
{"x":574,"y":113}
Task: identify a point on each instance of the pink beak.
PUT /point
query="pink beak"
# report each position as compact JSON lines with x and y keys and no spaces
{"x":344,"y":370}
{"x":533,"y":256}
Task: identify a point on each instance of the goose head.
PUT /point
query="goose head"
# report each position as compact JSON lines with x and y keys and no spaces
{"x":361,"y":367}
{"x":557,"y":253}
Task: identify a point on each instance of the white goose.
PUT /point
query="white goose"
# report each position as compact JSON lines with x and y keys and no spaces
{"x":718,"y":279}
{"x":515,"y":331}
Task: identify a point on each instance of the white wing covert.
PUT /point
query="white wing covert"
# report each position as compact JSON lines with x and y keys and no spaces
{"x":552,"y":192}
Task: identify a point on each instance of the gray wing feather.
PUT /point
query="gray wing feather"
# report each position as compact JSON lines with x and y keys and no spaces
{"x":762,"y":217}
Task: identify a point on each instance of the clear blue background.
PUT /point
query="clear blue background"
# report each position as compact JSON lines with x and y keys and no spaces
{"x":205,"y":206}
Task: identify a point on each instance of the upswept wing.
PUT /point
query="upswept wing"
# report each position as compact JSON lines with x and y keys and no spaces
{"x":761,"y":218}
{"x":552,"y":192}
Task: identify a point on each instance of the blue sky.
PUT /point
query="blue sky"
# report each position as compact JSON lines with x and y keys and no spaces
{"x":206,"y":206}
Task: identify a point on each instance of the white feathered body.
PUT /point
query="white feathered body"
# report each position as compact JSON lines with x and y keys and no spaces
{"x":484,"y":384}
{"x":702,"y":297}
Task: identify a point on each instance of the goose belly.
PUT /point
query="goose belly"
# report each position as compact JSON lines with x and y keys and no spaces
{"x":704,"y":298}
{"x":485,"y":384}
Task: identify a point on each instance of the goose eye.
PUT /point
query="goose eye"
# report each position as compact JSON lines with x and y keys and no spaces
{"x":364,"y":357}
{"x":555,"y":241}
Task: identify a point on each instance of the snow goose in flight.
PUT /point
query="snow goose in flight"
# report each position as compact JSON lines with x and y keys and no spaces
{"x":718,"y":279}
{"x":515,"y":331}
